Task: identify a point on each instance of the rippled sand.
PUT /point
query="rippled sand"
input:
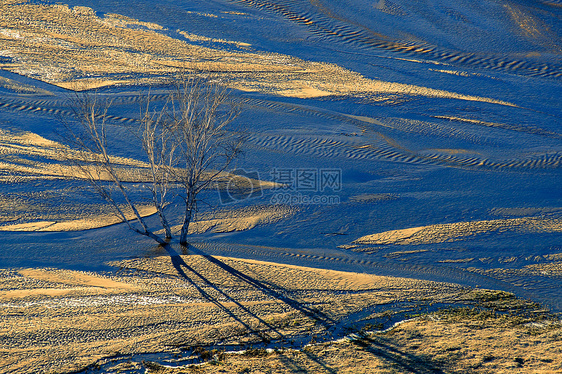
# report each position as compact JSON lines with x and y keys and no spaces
{"x":442,"y":118}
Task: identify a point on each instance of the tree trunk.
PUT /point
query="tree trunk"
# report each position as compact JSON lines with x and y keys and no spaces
{"x":189,"y":205}
{"x":165,"y":223}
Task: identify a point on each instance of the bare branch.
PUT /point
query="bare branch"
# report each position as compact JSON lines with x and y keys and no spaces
{"x":186,"y":142}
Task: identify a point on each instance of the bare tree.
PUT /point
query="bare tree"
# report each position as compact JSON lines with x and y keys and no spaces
{"x":186,"y":143}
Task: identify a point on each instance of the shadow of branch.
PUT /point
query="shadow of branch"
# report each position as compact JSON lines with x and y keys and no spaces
{"x":318,"y":316}
{"x":382,"y":350}
{"x":179,"y":264}
{"x":406,"y":361}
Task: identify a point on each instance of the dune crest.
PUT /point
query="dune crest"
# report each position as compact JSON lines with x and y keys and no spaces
{"x":82,"y":45}
{"x":457,"y":231}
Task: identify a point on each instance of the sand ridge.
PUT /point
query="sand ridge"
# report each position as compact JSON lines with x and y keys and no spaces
{"x":457,"y":231}
{"x":80,"y":284}
{"x":82,"y":44}
{"x":149,"y":306}
{"x":442,"y":117}
{"x":28,"y":156}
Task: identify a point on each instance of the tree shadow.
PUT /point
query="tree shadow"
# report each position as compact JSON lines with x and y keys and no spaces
{"x":179,"y":264}
{"x":267,"y":289}
{"x":412,"y":363}
{"x":392,"y":355}
{"x":395,"y":358}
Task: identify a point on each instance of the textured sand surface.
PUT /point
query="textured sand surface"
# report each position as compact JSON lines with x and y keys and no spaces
{"x":440,"y":118}
{"x":422,"y":346}
{"x":75,"y":318}
{"x":456,"y":231}
{"x":80,"y":44}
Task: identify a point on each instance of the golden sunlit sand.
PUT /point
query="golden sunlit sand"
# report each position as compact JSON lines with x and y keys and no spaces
{"x":79,"y":41}
{"x":455,"y":231}
{"x":436,"y":251}
{"x":147,"y":306}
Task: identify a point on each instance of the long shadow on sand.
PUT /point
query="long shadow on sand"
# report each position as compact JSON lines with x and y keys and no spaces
{"x":409,"y":362}
{"x":316,"y":315}
{"x":392,"y":355}
{"x":179,"y":264}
